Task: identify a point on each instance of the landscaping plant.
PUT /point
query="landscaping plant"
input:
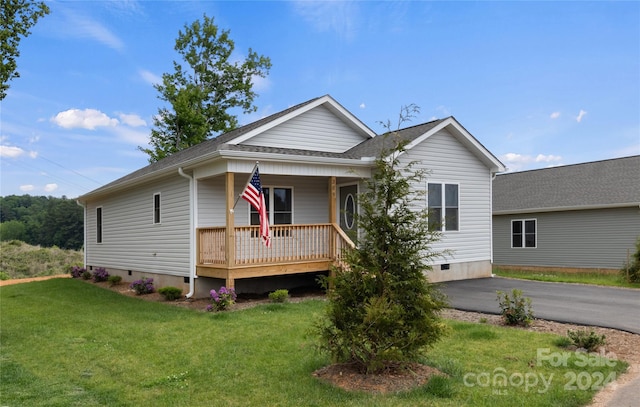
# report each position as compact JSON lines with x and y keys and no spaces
{"x":114,"y":280}
{"x":170,"y":293}
{"x":142,"y":286}
{"x":588,"y":340}
{"x":382,"y":309}
{"x":631,"y":271}
{"x":515,"y":309}
{"x":222,"y":299}
{"x":100,"y":274}
{"x":279,"y":296}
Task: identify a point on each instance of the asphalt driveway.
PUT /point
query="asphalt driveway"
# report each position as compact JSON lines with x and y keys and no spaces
{"x":608,"y":307}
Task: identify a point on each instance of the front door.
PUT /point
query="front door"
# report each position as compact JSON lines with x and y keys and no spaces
{"x":348,"y":209}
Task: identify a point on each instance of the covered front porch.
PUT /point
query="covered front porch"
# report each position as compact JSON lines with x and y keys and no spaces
{"x":233,"y":252}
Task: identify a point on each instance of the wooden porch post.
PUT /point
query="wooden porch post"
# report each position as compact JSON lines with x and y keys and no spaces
{"x":332,"y":200}
{"x":230,"y":235}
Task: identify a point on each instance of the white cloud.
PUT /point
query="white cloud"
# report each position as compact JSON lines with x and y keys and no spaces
{"x":50,"y":187}
{"x":132,"y":120}
{"x":260,"y":84}
{"x":33,"y":154}
{"x":580,"y":115}
{"x":554,"y":115}
{"x":26,"y":188}
{"x":128,"y":135}
{"x":81,"y":25}
{"x":541,"y":158}
{"x":149,"y":77}
{"x":86,"y":119}
{"x":11,"y":151}
{"x":362,"y":105}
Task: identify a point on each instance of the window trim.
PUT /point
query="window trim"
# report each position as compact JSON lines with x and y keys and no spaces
{"x":443,"y":207}
{"x":270,"y":204}
{"x":523,"y":239}
{"x":157,"y":211}
{"x":99,"y":224}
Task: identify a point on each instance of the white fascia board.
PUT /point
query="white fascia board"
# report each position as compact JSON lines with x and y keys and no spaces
{"x":566,"y":208}
{"x":364,"y":162}
{"x":465,"y":138}
{"x":333,"y":106}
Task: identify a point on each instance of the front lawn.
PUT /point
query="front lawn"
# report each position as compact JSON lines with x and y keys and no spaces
{"x":64,"y":342}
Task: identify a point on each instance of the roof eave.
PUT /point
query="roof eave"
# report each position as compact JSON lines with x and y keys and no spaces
{"x":566,"y":208}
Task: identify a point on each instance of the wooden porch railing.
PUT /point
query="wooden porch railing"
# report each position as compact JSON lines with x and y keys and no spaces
{"x":289,"y":243}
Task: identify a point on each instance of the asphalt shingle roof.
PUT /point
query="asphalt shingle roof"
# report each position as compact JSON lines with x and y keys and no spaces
{"x":592,"y":184}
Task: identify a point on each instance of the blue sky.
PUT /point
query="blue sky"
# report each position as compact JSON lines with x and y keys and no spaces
{"x":538,"y":83}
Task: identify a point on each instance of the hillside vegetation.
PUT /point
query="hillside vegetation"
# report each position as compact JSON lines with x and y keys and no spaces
{"x":22,"y":260}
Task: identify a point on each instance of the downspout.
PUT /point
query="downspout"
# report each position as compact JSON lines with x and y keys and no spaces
{"x":84,"y":234}
{"x":493,"y":177}
{"x":192,"y":266}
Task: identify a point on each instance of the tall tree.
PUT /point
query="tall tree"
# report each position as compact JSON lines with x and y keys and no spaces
{"x":382,"y":309}
{"x":17,"y":17}
{"x":203,"y":94}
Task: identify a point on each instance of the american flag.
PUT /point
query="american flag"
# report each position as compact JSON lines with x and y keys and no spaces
{"x":253,"y":194}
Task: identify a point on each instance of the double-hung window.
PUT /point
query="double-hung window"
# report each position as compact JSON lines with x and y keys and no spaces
{"x":279,"y":203}
{"x":444,"y":204}
{"x":523,"y":233}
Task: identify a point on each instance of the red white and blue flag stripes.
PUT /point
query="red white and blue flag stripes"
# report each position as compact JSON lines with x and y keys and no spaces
{"x":253,"y":194}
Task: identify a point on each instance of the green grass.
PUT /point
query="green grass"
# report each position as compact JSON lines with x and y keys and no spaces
{"x":594,"y":278}
{"x":64,"y":342}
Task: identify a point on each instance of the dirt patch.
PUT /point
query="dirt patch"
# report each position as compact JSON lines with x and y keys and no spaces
{"x":392,"y":379}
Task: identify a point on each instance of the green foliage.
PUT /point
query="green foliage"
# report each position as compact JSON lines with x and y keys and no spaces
{"x":21,"y":260}
{"x":4,"y":276}
{"x":631,"y":271}
{"x":515,"y":309}
{"x":588,"y":340}
{"x":203,"y":95}
{"x":114,"y":280}
{"x":170,"y":293}
{"x":17,"y":17}
{"x":40,"y":220}
{"x":142,"y":286}
{"x":381,"y":306}
{"x":86,"y":275}
{"x":279,"y":296}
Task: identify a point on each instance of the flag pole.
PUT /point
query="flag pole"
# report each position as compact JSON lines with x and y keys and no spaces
{"x":245,"y":185}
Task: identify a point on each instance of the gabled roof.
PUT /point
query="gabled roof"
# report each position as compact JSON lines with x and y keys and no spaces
{"x":600,"y":184}
{"x":229,"y":144}
{"x":415,"y":135}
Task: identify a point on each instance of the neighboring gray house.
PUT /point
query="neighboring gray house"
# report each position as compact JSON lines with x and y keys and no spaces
{"x":173,"y":220}
{"x":584,"y":216}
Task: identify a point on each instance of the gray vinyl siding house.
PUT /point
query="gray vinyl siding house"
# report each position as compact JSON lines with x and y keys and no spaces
{"x":583,"y":216}
{"x":179,"y":220}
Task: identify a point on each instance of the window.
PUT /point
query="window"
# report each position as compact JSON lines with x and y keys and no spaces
{"x":99,"y":225}
{"x":523,"y":233}
{"x":282,"y":203}
{"x":156,"y":208}
{"x":442,"y":199}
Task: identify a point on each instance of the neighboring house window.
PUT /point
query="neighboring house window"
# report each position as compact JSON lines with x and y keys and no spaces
{"x":281,"y":200}
{"x":443,"y":201}
{"x":99,"y":225}
{"x":523,"y":233}
{"x":156,"y":208}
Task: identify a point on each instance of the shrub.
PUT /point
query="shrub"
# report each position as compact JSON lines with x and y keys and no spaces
{"x":4,"y":276}
{"x":170,"y":293}
{"x":222,"y":299}
{"x":100,"y":274}
{"x":114,"y":280}
{"x":590,"y":341}
{"x":279,"y":296}
{"x":86,"y":275}
{"x":77,"y":271}
{"x":516,"y":309}
{"x":382,"y":310}
{"x":631,"y":271}
{"x":142,"y":286}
